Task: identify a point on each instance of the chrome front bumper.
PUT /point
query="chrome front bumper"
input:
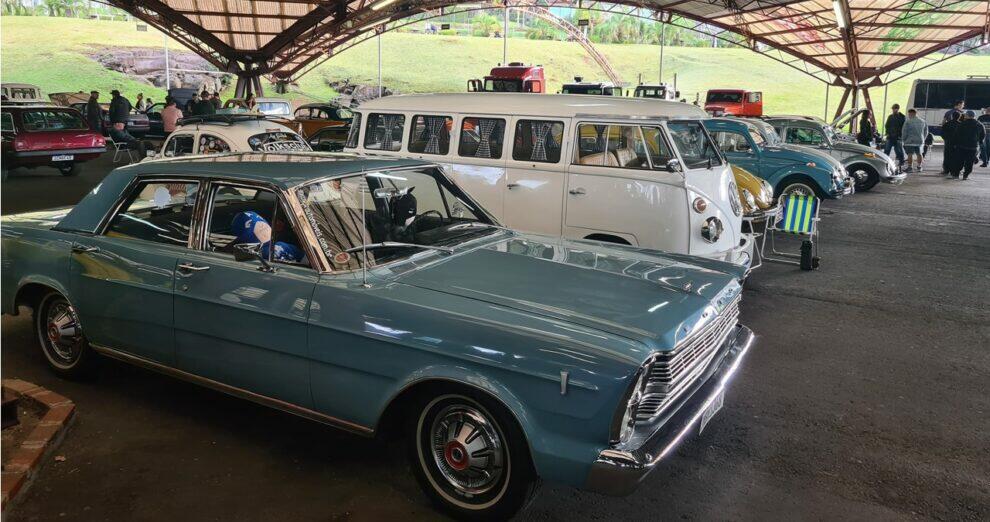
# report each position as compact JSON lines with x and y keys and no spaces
{"x":619,"y":471}
{"x":895,"y":177}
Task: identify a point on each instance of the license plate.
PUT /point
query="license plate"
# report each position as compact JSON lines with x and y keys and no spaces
{"x":711,"y":410}
{"x":63,"y":157}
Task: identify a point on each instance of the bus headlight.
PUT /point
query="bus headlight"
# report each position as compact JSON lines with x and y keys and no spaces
{"x":734,"y":199}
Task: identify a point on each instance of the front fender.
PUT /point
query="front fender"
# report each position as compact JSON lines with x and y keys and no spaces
{"x":10,"y":298}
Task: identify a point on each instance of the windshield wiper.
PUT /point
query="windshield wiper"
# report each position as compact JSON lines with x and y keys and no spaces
{"x":393,"y":244}
{"x":476,"y":224}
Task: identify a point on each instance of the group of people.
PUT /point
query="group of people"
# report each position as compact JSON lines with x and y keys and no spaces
{"x":203,"y":104}
{"x":967,"y":140}
{"x":118,"y":112}
{"x":966,"y":137}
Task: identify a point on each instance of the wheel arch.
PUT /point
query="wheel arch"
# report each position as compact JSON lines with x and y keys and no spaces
{"x":30,"y":290}
{"x":797,"y":176}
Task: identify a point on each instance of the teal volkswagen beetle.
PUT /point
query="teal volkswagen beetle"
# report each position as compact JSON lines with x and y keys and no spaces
{"x":755,"y":146}
{"x":377,"y":297}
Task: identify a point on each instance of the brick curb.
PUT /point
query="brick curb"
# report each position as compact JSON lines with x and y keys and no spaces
{"x":28,"y":458}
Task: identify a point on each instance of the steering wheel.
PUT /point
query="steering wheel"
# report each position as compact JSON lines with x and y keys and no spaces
{"x":416,"y":219}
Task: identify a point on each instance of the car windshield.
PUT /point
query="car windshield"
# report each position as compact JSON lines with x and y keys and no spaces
{"x":581,"y":89}
{"x":503,"y":85}
{"x":724,"y":97}
{"x":53,"y":119}
{"x":830,"y":136}
{"x":396,"y":214}
{"x":696,"y":147}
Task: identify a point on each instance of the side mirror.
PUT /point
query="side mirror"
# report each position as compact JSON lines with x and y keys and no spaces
{"x":252,"y":251}
{"x":674,"y":166}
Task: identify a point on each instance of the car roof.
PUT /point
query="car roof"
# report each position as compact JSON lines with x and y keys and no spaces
{"x":547,"y":105}
{"x":36,"y":106}
{"x":260,"y":124}
{"x":284,"y":170}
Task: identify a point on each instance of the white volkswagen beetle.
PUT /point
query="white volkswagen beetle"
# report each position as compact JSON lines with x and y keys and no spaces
{"x":220,"y":133}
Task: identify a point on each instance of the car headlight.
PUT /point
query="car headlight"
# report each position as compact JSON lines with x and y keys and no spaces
{"x":624,"y":423}
{"x":750,"y":200}
{"x":734,"y":199}
{"x":767,"y":190}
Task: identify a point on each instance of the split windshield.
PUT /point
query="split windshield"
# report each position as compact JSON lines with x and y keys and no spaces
{"x":724,"y":97}
{"x":503,"y":85}
{"x":408,"y":207}
{"x":696,"y":147}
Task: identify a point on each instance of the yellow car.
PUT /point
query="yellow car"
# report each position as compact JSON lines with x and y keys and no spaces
{"x":755,"y":194}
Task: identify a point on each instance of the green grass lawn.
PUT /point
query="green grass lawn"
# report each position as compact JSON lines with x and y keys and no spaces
{"x":52,"y":53}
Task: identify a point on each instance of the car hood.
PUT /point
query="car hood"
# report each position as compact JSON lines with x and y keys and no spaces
{"x":648,"y":296}
{"x":804,"y":152}
{"x":847,"y":146}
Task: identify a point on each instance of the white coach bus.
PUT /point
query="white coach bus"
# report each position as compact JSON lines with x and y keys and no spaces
{"x":932,"y":98}
{"x":623,"y":170}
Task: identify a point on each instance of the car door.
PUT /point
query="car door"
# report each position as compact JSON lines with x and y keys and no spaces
{"x":478,"y":165}
{"x":737,"y":148}
{"x":122,"y":278}
{"x":535,"y":176}
{"x":618,"y":186}
{"x":237,"y":322}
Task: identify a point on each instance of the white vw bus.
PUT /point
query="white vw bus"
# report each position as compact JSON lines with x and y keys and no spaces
{"x":623,"y":170}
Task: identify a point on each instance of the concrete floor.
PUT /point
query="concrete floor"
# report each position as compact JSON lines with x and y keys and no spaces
{"x":866,"y":399}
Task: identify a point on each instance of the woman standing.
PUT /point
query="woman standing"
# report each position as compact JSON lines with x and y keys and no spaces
{"x":865,"y":134}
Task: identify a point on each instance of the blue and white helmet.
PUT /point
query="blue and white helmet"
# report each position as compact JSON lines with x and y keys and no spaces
{"x":250,"y":227}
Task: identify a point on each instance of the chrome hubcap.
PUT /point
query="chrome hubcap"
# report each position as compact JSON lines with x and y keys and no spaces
{"x":64,"y":332}
{"x":799,"y":189}
{"x":467,"y":449}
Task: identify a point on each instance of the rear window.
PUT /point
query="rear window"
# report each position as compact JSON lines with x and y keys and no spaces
{"x":353,"y":132}
{"x":430,"y":134}
{"x":278,"y":141}
{"x":384,"y":132}
{"x":274,"y":108}
{"x":49,"y":120}
{"x":7,"y":122}
{"x":538,"y":140}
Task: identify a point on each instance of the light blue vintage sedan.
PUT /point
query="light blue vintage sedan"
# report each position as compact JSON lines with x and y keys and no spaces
{"x":376,"y":296}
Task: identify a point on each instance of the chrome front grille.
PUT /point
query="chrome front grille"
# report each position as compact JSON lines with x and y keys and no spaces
{"x":671,"y":373}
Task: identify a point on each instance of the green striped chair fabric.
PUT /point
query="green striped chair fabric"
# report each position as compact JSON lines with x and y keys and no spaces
{"x":798,"y":214}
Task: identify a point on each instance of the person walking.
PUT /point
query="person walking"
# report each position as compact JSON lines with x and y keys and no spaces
{"x":139,"y":103}
{"x":866,"y":130}
{"x":170,"y":115}
{"x":968,"y":136}
{"x":893,"y":128}
{"x":914,"y":133}
{"x":949,"y":155}
{"x":94,"y":113}
{"x":984,"y":119}
{"x":956,"y":111}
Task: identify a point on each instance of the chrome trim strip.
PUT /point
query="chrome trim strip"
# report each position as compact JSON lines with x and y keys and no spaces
{"x":236,"y":392}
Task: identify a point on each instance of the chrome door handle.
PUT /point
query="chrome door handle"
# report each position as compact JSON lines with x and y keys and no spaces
{"x":577,"y":192}
{"x":511,"y":186}
{"x":84,"y":249}
{"x":189,"y":267}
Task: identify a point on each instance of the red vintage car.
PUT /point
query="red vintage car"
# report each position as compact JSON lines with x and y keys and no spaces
{"x":47,"y":136}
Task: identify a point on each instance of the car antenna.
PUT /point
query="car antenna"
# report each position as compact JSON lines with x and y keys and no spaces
{"x":364,"y":230}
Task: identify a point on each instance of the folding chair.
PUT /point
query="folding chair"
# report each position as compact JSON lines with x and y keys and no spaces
{"x":796,"y":216}
{"x":122,"y":148}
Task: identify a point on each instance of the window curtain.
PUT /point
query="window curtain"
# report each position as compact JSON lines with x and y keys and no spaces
{"x":485,"y":130}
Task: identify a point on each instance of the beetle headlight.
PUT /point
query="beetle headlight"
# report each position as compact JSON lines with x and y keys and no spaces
{"x":624,"y":423}
{"x":750,"y":200}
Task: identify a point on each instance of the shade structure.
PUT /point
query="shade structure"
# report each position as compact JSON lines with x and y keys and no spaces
{"x":852,"y":42}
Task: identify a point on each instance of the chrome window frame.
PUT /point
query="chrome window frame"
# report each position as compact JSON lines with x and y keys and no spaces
{"x":213,"y":184}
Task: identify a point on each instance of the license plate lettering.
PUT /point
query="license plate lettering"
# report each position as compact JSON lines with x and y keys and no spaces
{"x":63,"y":157}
